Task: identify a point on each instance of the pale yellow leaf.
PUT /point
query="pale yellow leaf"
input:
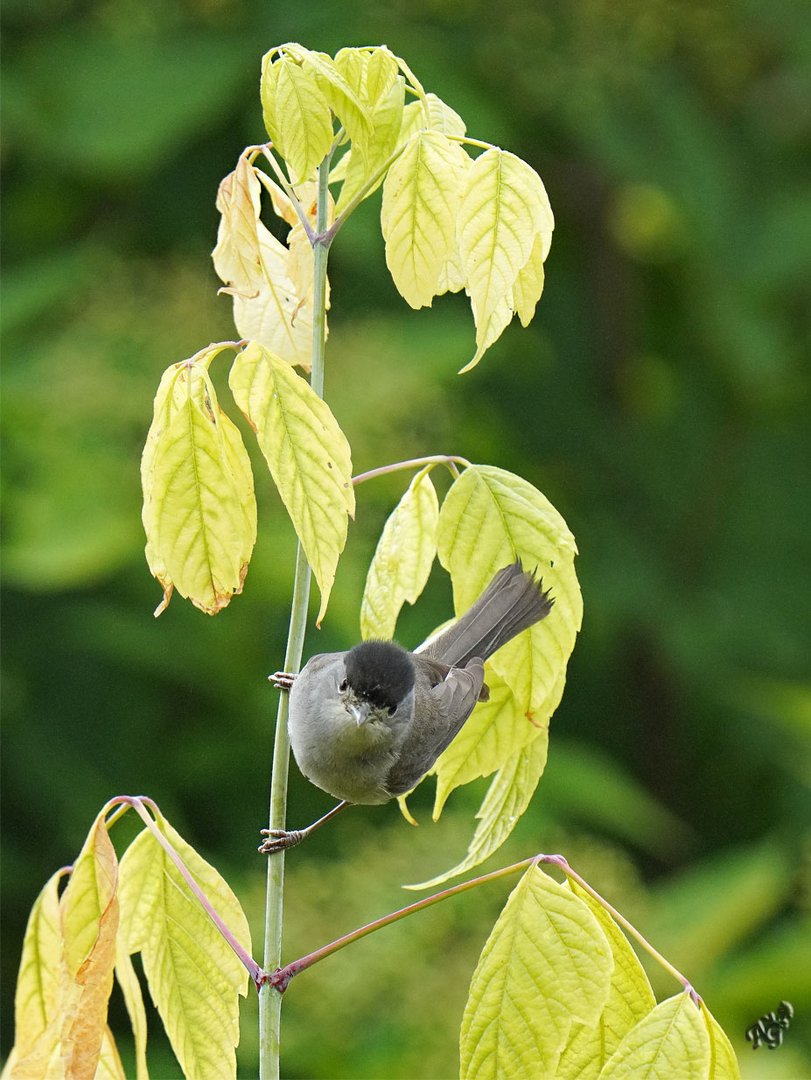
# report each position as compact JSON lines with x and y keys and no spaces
{"x":299,"y":116}
{"x":489,"y":518}
{"x":237,"y":257}
{"x":307,"y":454}
{"x":88,"y":914}
{"x":109,"y":1066}
{"x":130,"y":985}
{"x":723,"y":1062}
{"x":418,"y":217}
{"x":671,"y":1041}
{"x":529,"y":284}
{"x":36,"y":999}
{"x":199,"y":508}
{"x":402,"y":560}
{"x":194,"y":977}
{"x":545,"y":966}
{"x":503,"y":208}
{"x":433,"y":115}
{"x":630,"y":999}
{"x":506,"y":800}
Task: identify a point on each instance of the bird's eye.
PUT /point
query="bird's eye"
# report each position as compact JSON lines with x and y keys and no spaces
{"x":342,"y":687}
{"x":392,"y":710}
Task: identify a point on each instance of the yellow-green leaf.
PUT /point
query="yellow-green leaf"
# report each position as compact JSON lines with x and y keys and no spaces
{"x":546,"y":965}
{"x":630,"y":999}
{"x":402,"y":560}
{"x":88,"y":915}
{"x":36,"y":999}
{"x":433,"y":115}
{"x":723,"y":1061}
{"x":670,"y":1041}
{"x":194,"y":977}
{"x":306,"y":451}
{"x":199,"y":507}
{"x":506,"y":800}
{"x":297,"y":117}
{"x":418,"y":217}
{"x":359,"y":167}
{"x":489,"y":518}
{"x":496,"y":730}
{"x":134,"y":1000}
{"x":503,"y":208}
{"x":340,"y":96}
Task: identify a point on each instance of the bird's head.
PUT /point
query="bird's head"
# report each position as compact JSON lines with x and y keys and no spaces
{"x":378,"y":676}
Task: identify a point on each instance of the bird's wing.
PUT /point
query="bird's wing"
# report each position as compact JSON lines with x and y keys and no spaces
{"x":438,"y":717}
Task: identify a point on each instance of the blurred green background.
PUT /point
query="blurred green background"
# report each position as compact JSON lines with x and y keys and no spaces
{"x":660,"y":399}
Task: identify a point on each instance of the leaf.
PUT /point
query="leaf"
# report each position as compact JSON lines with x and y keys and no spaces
{"x":340,"y":96}
{"x":723,"y":1062}
{"x":507,"y":798}
{"x":307,"y":454}
{"x":529,"y":284}
{"x":670,"y":1041}
{"x":489,"y":518}
{"x":109,"y":1066}
{"x":297,"y":116}
{"x":373,"y":75}
{"x":496,"y":730}
{"x":434,"y":115}
{"x":36,"y":999}
{"x":194,"y":977}
{"x":402,"y":560}
{"x":199,"y":507}
{"x":629,"y":1000}
{"x":88,"y":915}
{"x":504,"y":207}
{"x":271,"y":285}
{"x":134,"y":1000}
{"x":545,"y":965}
{"x":418,"y":217}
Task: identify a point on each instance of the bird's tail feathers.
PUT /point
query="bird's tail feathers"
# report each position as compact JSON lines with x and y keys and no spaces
{"x":513,"y":601}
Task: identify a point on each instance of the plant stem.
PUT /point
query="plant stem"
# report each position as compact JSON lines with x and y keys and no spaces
{"x":413,"y":463}
{"x":282,"y":976}
{"x":270,"y":1000}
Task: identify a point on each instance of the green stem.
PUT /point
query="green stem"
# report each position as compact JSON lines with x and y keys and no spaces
{"x":450,"y":460}
{"x":270,"y":1000}
{"x":282,"y":976}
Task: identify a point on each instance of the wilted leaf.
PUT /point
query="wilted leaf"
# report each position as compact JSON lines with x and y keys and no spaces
{"x":489,"y":518}
{"x":670,"y":1041}
{"x":418,"y":217}
{"x":506,"y":800}
{"x":88,"y":913}
{"x":546,"y":965}
{"x":306,"y":451}
{"x":194,"y":977}
{"x":236,"y":256}
{"x":402,"y":560}
{"x":629,"y":1000}
{"x":504,"y":207}
{"x":199,"y":507}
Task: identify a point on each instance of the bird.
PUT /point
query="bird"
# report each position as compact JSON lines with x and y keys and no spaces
{"x":367,"y":724}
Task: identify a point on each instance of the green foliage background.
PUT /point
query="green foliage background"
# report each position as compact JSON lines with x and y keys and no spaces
{"x":660,"y":400}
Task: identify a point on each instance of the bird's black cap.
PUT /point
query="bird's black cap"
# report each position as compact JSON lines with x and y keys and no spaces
{"x":380,"y":672}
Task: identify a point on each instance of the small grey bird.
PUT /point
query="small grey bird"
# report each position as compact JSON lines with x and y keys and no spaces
{"x":366,"y":725}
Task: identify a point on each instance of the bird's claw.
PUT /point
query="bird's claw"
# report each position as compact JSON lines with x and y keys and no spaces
{"x":279,"y":840}
{"x":282,"y":680}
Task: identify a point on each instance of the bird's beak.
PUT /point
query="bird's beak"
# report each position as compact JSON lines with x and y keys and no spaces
{"x":359,"y":711}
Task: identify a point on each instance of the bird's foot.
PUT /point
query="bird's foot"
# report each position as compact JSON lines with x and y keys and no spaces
{"x":282,"y":680}
{"x":279,"y":840}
